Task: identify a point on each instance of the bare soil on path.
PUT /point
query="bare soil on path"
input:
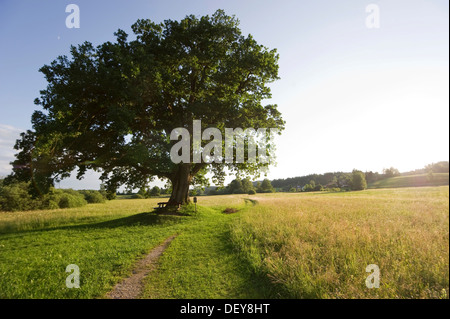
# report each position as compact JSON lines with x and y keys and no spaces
{"x":131,"y":287}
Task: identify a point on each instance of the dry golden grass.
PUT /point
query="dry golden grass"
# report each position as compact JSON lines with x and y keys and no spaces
{"x":38,"y":219}
{"x":318,"y":245}
{"x":28,"y":220}
{"x":312,"y":245}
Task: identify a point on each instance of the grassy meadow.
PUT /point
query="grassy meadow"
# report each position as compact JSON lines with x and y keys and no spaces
{"x":436,"y":179}
{"x":318,"y":245}
{"x":281,"y":245}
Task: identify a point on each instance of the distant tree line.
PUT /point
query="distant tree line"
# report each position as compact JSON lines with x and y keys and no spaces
{"x":337,"y":181}
{"x":349,"y":181}
{"x":330,"y":181}
{"x":436,"y":168}
{"x":154,"y":191}
{"x":15,"y":196}
{"x":243,"y":186}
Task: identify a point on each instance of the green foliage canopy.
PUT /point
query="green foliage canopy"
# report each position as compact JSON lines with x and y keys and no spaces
{"x":358,"y":180}
{"x":111,"y":108}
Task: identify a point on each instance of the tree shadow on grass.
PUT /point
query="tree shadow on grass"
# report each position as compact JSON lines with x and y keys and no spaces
{"x":141,"y":219}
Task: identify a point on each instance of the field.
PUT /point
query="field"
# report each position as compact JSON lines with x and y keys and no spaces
{"x":281,"y":245}
{"x":437,"y":179}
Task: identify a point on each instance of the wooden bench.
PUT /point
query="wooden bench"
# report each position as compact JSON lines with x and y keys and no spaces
{"x":162,"y":204}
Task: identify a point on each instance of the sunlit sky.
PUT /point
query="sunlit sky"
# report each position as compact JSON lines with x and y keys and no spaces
{"x":352,"y":96}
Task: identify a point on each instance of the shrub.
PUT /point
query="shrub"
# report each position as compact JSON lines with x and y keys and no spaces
{"x":358,"y":180}
{"x":318,"y":188}
{"x":252,"y":192}
{"x":92,"y":196}
{"x":155,"y":191}
{"x":66,"y":198}
{"x":266,"y":187}
{"x":137,"y":196}
{"x":111,"y":195}
{"x":69,"y":201}
{"x":15,"y":197}
{"x":50,"y":204}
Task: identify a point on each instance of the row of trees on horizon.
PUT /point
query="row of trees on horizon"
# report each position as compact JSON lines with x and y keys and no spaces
{"x":17,"y":197}
{"x":343,"y":179}
{"x":335,"y":181}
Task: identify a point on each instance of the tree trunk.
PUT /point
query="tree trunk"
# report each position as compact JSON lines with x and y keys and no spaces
{"x":180,"y":186}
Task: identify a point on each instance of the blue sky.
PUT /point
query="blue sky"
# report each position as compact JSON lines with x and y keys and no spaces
{"x":353,"y":97}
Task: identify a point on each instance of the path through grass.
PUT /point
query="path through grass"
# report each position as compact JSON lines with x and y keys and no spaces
{"x":203,"y":263}
{"x":313,"y":245}
{"x":106,"y":240}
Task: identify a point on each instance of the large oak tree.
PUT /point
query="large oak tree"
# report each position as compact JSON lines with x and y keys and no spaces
{"x":112,"y":108}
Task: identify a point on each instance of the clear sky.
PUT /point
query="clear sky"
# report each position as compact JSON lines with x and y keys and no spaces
{"x":352,"y":96}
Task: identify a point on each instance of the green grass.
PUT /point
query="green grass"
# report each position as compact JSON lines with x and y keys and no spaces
{"x":105,"y":240}
{"x":437,"y":179}
{"x":33,"y":260}
{"x":318,"y":245}
{"x":202,"y":263}
{"x":313,"y":245}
